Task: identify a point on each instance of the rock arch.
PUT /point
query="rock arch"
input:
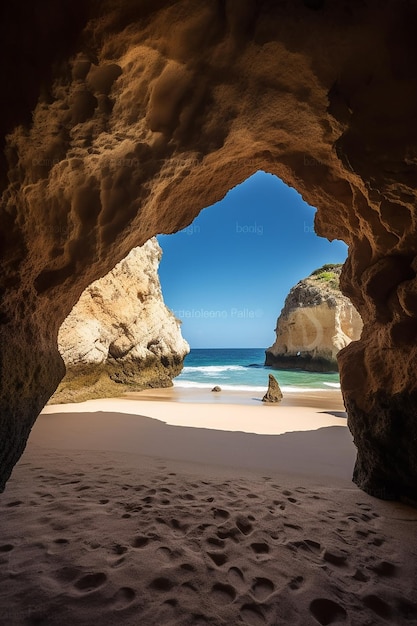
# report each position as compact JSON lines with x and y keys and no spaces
{"x":135,"y":117}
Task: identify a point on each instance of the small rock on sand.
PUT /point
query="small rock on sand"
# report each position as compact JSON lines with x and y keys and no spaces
{"x":274,"y":393}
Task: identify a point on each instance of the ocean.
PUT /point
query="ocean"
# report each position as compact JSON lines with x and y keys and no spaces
{"x":237,"y":369}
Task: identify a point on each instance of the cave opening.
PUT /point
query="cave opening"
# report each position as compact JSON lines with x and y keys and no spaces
{"x":198,"y":96}
{"x":227,"y":275}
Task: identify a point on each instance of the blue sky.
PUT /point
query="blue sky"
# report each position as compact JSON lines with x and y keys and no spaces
{"x":226,"y":275}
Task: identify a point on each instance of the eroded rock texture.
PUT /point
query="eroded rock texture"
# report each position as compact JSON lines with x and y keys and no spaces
{"x":274,"y":393}
{"x":126,"y":119}
{"x":120,"y":335}
{"x":317,"y":321}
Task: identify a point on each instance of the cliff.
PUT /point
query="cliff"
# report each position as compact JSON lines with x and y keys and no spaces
{"x":316,"y":322}
{"x":120,"y":335}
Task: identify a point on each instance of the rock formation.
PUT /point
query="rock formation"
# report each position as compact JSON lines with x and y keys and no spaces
{"x":274,"y":393}
{"x":120,"y":335}
{"x":317,"y":321}
{"x":124,"y":119}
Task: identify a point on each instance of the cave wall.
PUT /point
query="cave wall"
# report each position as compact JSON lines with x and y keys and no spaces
{"x":131,"y":117}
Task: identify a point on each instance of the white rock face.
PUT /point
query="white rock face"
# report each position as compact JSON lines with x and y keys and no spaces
{"x":120,"y":334}
{"x":317,"y":321}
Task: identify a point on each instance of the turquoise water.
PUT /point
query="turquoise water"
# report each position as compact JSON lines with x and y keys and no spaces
{"x":243,"y":369}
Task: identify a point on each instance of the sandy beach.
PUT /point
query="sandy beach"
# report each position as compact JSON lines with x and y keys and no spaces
{"x":173,"y":507}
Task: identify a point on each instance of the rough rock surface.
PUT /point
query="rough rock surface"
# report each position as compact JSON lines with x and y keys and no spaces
{"x":274,"y":393}
{"x":134,"y":116}
{"x":317,"y":321}
{"x":120,"y":335}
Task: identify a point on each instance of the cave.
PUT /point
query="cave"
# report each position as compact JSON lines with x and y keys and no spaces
{"x":124,"y":120}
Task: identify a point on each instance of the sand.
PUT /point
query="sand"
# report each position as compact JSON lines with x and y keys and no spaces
{"x":117,"y":517}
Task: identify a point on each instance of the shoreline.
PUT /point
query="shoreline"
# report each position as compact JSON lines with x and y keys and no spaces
{"x":223,"y":411}
{"x":327,"y":398}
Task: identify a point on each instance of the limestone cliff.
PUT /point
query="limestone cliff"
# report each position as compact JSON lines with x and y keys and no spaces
{"x":120,"y":335}
{"x":317,"y":321}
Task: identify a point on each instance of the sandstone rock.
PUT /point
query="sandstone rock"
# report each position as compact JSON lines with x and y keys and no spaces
{"x":274,"y":393}
{"x":137,"y":115}
{"x":317,"y":321}
{"x":120,"y":335}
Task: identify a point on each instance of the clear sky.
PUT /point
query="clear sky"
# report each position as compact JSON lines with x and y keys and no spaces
{"x":226,"y":275}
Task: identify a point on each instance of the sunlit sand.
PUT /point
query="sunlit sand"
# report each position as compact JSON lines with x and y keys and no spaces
{"x":173,"y":507}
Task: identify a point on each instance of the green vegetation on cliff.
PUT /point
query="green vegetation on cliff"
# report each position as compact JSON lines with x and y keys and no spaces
{"x":329,"y":273}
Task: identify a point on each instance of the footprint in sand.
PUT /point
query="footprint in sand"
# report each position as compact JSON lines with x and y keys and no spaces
{"x":90,"y":582}
{"x":229,"y":533}
{"x":166,"y":553}
{"x":187,"y":496}
{"x":244,"y":525}
{"x":7,"y":547}
{"x":215,"y":541}
{"x":364,"y":506}
{"x":236,"y":577}
{"x":262,"y":588}
{"x":295,"y":583}
{"x":67,"y":574}
{"x":251,"y":614}
{"x":187,"y":567}
{"x":377,"y":541}
{"x":162,"y":584}
{"x":201,"y":620}
{"x":292,"y":526}
{"x":221,"y":514}
{"x":219,"y":558}
{"x":384,"y":568}
{"x":335,"y":557}
{"x":378,"y":606}
{"x":123,"y":598}
{"x":407,"y":609}
{"x":260,"y":548}
{"x":224,"y":594}
{"x":140,"y":541}
{"x":187,"y":591}
{"x":327,"y":612}
{"x":360,"y":576}
{"x":14,"y":503}
{"x":178,"y":526}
